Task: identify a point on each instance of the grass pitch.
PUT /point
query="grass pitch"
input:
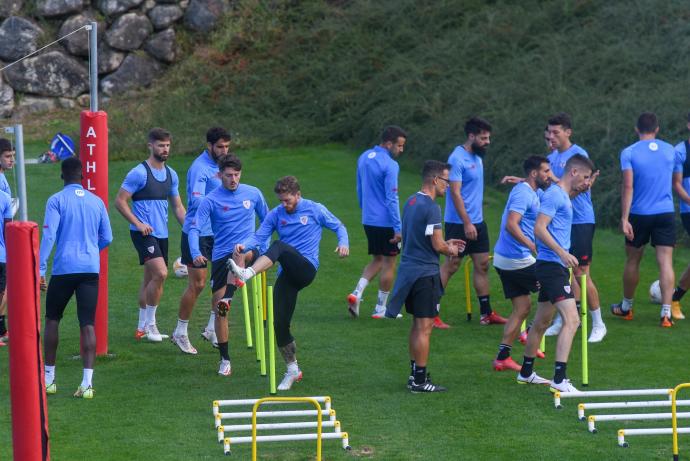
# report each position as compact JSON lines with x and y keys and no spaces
{"x":153,"y":402}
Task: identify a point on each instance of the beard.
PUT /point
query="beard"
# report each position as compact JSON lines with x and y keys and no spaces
{"x":543,"y":185}
{"x":478,"y":150}
{"x":160,"y":158}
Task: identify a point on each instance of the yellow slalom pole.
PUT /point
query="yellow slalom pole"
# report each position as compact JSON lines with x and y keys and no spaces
{"x":261,"y":340}
{"x":468,"y":296}
{"x":583,"y":326}
{"x":247,"y":318}
{"x":271,"y":343}
{"x":263,"y":293}
{"x":257,"y":318}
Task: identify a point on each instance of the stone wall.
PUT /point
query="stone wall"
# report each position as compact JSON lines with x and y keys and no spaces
{"x":136,"y":41}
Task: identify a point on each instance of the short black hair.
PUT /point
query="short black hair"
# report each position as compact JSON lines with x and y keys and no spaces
{"x":533,"y":162}
{"x":216,"y":133}
{"x":287,"y":185}
{"x":229,"y":161}
{"x":392,"y":133}
{"x":432,"y":169}
{"x":5,"y":145}
{"x":578,"y":161}
{"x":647,"y":123}
{"x":563,"y":119}
{"x":159,"y":134}
{"x":476,"y":125}
{"x":71,"y":169}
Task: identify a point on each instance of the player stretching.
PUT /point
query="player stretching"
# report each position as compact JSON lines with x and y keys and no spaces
{"x":298,"y":222}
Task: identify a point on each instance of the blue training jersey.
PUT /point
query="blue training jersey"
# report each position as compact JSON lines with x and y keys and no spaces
{"x":682,"y":155}
{"x":152,"y":212}
{"x":202,"y":178}
{"x":230,"y":214}
{"x":467,"y":169}
{"x":377,"y":188}
{"x":6,"y":212}
{"x":76,"y":221}
{"x":300,"y":229}
{"x":653,"y":163}
{"x":583,"y":210}
{"x":556,"y":204}
{"x":525,"y":201}
{"x":4,"y":185}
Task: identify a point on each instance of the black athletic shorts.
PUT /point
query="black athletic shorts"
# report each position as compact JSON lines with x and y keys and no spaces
{"x":685,"y":217}
{"x":205,"y":245}
{"x":220,"y":270}
{"x":3,"y":277}
{"x":660,"y":228}
{"x":60,"y":291}
{"x":518,"y":282}
{"x":424,"y":297}
{"x":379,"y":241}
{"x":581,"y":238}
{"x":149,"y":247}
{"x":554,"y":282}
{"x":481,"y":245}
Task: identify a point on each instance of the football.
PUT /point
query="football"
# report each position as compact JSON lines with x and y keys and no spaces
{"x":655,"y":292}
{"x":179,"y":268}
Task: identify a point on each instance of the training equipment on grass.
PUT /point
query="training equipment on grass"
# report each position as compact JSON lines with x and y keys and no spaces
{"x":557,"y":396}
{"x":581,"y":407}
{"x":583,"y":329}
{"x":650,"y":431}
{"x":655,"y":292}
{"x":264,"y":331}
{"x":224,"y":431}
{"x":30,"y":440}
{"x":180,"y":269}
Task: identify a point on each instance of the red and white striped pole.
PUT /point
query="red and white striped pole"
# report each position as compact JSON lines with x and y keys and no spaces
{"x":27,"y":382}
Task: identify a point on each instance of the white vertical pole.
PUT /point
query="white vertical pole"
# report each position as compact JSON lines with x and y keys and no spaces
{"x":21,"y":173}
{"x":93,"y":68}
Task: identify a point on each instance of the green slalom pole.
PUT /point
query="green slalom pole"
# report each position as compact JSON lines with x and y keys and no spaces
{"x":261,"y":340}
{"x":257,"y":320}
{"x":271,"y":343}
{"x":583,"y":316}
{"x":247,"y":318}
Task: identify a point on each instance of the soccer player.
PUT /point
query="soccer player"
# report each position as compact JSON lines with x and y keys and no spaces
{"x":6,"y":163}
{"x":513,"y":259}
{"x":229,"y":210}
{"x":681,"y":184}
{"x":377,"y":192}
{"x":419,"y":280}
{"x":558,"y":133}
{"x":6,"y":213}
{"x":552,"y":231}
{"x":202,"y":178}
{"x":582,"y":233}
{"x":150,"y":185}
{"x":298,"y":222}
{"x":464,"y":218}
{"x":77,"y":223}
{"x":647,"y":212}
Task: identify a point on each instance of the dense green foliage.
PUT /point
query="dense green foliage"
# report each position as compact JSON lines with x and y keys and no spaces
{"x":306,"y":72}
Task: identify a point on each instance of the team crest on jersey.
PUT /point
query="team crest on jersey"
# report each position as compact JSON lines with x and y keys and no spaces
{"x":79,"y":192}
{"x":566,"y":288}
{"x":653,"y":146}
{"x":150,"y":249}
{"x":371,"y":154}
{"x":304,"y":220}
{"x":246,"y":204}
